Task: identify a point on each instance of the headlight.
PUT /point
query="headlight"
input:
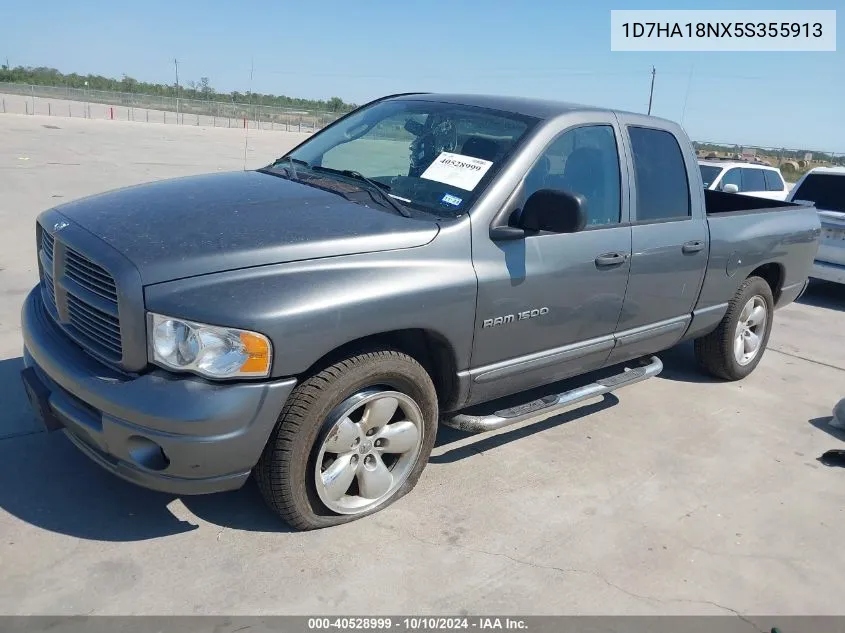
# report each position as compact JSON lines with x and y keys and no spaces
{"x":208,"y":350}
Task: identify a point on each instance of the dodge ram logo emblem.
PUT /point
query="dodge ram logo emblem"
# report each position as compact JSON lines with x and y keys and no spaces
{"x":58,"y":226}
{"x":511,"y":318}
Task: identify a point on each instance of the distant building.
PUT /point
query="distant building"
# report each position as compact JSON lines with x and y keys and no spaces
{"x":808,"y":156}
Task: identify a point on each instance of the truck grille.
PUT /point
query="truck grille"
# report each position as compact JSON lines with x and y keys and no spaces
{"x":90,"y":276}
{"x":100,"y":329}
{"x":51,"y":290}
{"x":95,"y":327}
{"x":47,"y":244}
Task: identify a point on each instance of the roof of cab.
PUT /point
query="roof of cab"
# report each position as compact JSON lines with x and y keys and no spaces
{"x":537,"y":108}
{"x":728,"y":164}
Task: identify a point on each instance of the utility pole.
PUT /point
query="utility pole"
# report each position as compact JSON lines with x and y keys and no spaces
{"x":176,"y":64}
{"x":246,"y":124}
{"x":651,"y":92}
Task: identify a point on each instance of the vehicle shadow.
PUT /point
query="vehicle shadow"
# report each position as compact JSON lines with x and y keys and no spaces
{"x":823,"y":424}
{"x":448,"y":437}
{"x":824,"y":294}
{"x":16,"y":417}
{"x":679,"y":365}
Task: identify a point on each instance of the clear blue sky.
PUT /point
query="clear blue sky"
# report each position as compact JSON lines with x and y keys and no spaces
{"x":361,"y":50}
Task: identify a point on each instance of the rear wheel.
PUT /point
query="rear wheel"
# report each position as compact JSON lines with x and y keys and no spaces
{"x":351,"y":440}
{"x":735,"y":348}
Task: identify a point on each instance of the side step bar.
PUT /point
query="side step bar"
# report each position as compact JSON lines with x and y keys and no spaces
{"x":553,"y":404}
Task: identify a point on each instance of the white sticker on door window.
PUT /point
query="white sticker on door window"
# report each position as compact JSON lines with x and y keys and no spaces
{"x":457,"y":170}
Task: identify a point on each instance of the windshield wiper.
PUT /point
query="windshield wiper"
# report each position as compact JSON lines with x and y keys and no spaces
{"x":376,"y":186}
{"x":292,"y":162}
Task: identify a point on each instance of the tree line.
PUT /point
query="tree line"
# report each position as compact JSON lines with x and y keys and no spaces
{"x":202,"y":89}
{"x":782,"y":154}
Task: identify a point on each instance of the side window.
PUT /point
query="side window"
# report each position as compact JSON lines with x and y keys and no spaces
{"x":753,"y":179}
{"x":661,"y":175}
{"x":585,"y":161}
{"x":773,"y":180}
{"x":733,"y":177}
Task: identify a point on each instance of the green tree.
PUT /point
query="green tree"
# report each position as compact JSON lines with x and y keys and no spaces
{"x":43,"y":76}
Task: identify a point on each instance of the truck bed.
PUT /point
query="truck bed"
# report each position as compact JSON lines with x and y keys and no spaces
{"x":719,"y":202}
{"x":747,"y":233}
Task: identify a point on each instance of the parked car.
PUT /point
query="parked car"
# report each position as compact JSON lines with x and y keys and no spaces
{"x":825,"y":188}
{"x":749,"y":178}
{"x":313,"y":321}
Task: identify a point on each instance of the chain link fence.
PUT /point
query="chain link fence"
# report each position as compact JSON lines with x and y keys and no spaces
{"x":66,"y":101}
{"x":131,"y":106}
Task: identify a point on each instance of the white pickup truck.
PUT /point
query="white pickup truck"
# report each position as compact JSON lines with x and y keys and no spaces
{"x":825,"y":188}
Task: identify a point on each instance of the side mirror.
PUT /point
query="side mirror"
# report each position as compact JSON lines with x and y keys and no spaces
{"x":730,"y":188}
{"x":554,"y":211}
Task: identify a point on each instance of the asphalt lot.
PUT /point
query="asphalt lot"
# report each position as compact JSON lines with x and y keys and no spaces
{"x":677,"y":495}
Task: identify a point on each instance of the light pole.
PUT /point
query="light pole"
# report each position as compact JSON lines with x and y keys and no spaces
{"x":176,"y":64}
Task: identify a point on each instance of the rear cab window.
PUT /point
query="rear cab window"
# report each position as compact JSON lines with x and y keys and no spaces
{"x":660,"y":175}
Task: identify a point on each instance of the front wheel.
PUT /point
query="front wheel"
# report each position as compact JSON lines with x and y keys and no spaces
{"x":351,"y":440}
{"x":735,"y":348}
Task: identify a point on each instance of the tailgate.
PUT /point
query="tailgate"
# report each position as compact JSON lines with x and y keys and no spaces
{"x":832,"y":239}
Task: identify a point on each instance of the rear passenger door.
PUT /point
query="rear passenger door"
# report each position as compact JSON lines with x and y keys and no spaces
{"x":669,"y":245}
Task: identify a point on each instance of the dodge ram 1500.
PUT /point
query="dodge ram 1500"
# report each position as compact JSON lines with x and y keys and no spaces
{"x":312,"y":322}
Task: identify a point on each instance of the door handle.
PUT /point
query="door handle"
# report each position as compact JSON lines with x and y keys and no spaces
{"x":610,"y":259}
{"x":692,"y":246}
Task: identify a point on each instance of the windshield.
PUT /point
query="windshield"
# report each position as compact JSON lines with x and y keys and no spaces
{"x":827,"y":191}
{"x":709,"y":173}
{"x":435,"y":157}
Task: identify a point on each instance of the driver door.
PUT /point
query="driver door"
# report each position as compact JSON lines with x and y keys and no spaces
{"x":570,"y":286}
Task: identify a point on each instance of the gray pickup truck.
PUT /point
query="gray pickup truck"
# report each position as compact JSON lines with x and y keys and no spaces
{"x":313,"y":321}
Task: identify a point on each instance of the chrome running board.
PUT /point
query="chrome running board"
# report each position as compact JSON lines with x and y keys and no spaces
{"x":553,"y":404}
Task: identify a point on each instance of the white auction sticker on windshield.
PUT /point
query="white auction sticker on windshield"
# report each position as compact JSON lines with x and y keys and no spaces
{"x":457,"y":170}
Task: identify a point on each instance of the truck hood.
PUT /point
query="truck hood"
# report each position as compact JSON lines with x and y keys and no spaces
{"x":197,"y":225}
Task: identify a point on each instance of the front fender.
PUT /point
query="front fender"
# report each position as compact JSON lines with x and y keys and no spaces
{"x":310,"y":308}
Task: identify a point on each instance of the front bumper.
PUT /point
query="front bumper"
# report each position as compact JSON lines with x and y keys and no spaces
{"x":177,"y":434}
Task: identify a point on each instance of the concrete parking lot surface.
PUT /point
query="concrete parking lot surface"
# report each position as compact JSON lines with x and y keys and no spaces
{"x":678,"y":495}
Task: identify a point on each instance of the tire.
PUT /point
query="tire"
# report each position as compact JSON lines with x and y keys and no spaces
{"x":717,"y":353}
{"x":287,"y":474}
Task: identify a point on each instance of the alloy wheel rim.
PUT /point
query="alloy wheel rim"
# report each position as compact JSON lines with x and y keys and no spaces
{"x":369,"y":449}
{"x":748,"y":339}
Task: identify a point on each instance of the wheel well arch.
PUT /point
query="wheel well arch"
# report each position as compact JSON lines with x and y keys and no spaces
{"x":773,"y":274}
{"x":429,"y":348}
